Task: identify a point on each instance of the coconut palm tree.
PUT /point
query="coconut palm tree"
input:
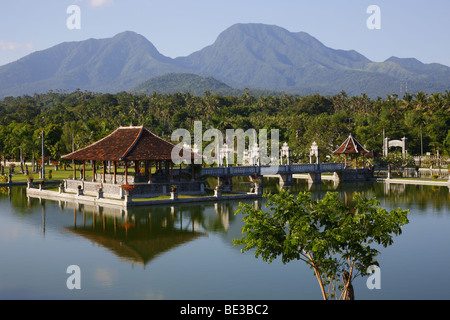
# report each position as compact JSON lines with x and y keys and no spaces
{"x":421,"y":101}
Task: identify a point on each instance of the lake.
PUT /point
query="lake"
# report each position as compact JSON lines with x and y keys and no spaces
{"x":185,"y":252}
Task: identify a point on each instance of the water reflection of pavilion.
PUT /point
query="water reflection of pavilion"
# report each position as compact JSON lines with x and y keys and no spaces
{"x":136,"y":238}
{"x":140,"y":235}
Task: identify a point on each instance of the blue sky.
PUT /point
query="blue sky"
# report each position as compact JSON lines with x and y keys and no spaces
{"x":411,"y":28}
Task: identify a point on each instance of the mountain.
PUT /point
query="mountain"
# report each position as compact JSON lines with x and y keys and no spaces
{"x":260,"y":55}
{"x":196,"y":85}
{"x":183,"y":82}
{"x":114,"y":64}
{"x":257,"y":56}
{"x":266,"y":56}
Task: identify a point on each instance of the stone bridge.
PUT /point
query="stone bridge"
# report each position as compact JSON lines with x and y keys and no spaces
{"x":285,"y":172}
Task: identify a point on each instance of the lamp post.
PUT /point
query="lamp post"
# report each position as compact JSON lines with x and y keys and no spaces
{"x":43,"y":158}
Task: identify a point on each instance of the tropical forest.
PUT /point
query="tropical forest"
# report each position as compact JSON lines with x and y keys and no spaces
{"x":76,"y":119}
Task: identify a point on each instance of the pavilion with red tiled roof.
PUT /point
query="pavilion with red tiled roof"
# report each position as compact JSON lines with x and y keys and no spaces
{"x":350,"y":147}
{"x":127,"y":144}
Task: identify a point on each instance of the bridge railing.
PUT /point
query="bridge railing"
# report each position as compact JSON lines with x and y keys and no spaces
{"x":244,"y":170}
{"x":331,"y":167}
{"x":271,"y":170}
{"x":304,"y":168}
{"x":231,"y":171}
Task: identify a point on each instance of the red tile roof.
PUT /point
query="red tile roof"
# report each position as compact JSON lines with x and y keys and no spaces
{"x":350,"y":146}
{"x":126,"y":143}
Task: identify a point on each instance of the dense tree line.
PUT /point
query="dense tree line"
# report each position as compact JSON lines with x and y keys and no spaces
{"x":82,"y":117}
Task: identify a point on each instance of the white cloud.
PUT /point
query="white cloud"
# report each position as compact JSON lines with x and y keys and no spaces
{"x":12,"y":46}
{"x":8,"y":46}
{"x":97,"y":3}
{"x":29,"y":46}
{"x":100,"y":3}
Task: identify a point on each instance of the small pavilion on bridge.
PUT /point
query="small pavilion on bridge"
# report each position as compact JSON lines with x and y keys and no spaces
{"x":350,"y":147}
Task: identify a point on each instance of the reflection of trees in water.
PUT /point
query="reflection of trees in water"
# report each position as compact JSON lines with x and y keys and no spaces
{"x":218,"y":217}
{"x":398,"y":195}
{"x":17,"y":196}
{"x":409,"y":195}
{"x":209,"y":216}
{"x":140,"y":234}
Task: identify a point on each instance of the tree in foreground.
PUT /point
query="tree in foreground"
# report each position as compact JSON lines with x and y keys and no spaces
{"x":333,"y":239}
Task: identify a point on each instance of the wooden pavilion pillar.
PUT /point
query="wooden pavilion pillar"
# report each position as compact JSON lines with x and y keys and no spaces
{"x":84,"y":169}
{"x":74,"y":170}
{"x":150,"y":171}
{"x":115,"y":171}
{"x":126,"y":172}
{"x":93,"y":170}
{"x":145,"y":168}
{"x":104,"y":171}
{"x":166,"y":167}
{"x":136,"y":168}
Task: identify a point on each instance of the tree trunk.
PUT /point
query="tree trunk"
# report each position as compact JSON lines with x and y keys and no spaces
{"x":317,"y":273}
{"x":348,"y":293}
{"x":319,"y":279}
{"x":21,"y":160}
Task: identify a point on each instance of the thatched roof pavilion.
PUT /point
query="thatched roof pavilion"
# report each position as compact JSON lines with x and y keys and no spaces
{"x":351,"y":147}
{"x":127,"y":144}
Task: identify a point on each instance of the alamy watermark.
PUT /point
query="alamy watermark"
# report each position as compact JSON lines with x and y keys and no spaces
{"x":374,"y":280}
{"x":74,"y":280}
{"x":243,"y":144}
{"x":374,"y":21}
{"x":236,"y":147}
{"x":74,"y":20}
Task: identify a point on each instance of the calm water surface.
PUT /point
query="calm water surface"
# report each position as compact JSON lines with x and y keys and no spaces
{"x":186,"y":251}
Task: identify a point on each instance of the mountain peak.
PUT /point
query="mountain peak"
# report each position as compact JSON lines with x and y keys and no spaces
{"x":268,"y":49}
{"x":129,"y":35}
{"x":255,"y":31}
{"x":253,"y":28}
{"x":406,"y":62}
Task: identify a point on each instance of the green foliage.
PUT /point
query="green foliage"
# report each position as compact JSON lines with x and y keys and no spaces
{"x":87,"y":117}
{"x":397,"y":160}
{"x":326,"y":234}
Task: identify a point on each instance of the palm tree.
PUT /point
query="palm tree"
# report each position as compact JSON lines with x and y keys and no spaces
{"x":446,"y":99}
{"x":421,"y":101}
{"x":406,"y":102}
{"x":436,"y":102}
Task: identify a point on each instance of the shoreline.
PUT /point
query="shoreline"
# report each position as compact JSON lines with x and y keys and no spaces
{"x":442,"y":183}
{"x":417,"y":181}
{"x":56,"y":196}
{"x":124,"y":203}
